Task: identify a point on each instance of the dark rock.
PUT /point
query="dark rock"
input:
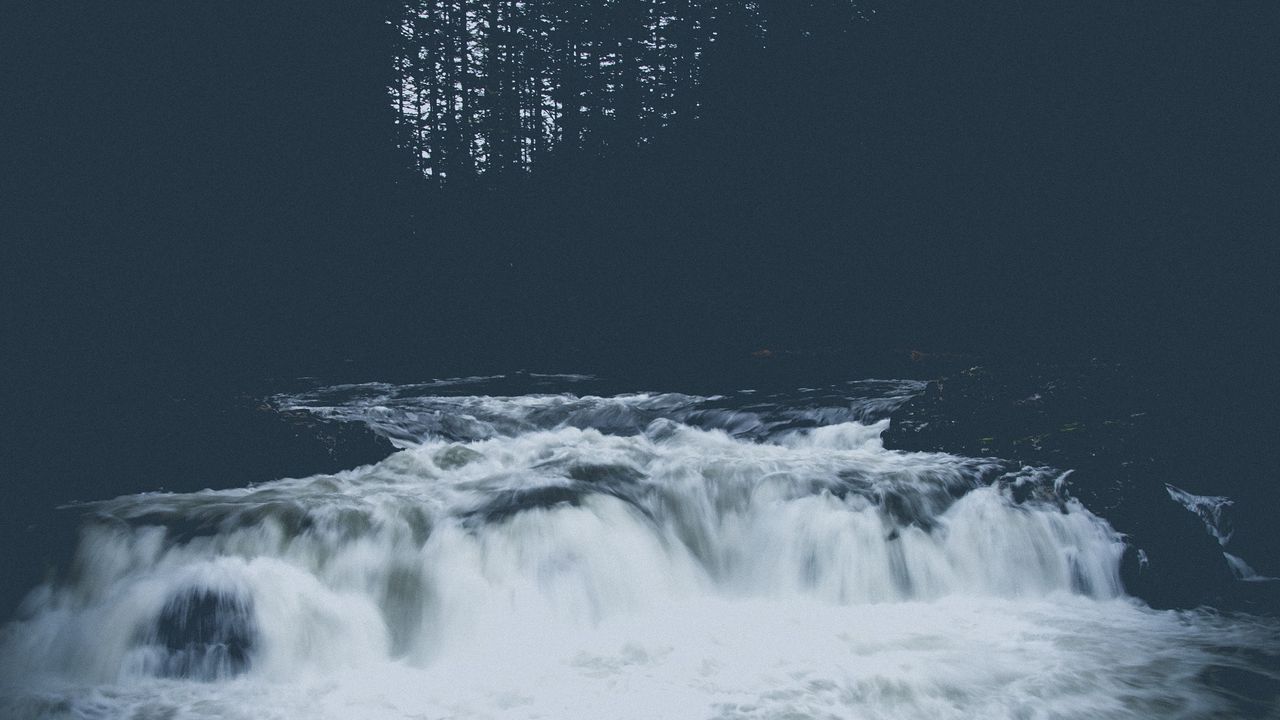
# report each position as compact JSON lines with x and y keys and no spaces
{"x":205,"y":635}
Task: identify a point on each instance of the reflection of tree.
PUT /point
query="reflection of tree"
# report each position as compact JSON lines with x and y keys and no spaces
{"x":491,"y":86}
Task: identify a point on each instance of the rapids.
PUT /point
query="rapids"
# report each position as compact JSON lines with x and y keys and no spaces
{"x":632,"y":556}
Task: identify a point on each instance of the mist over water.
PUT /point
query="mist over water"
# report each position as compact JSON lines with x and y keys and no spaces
{"x":643,"y":555}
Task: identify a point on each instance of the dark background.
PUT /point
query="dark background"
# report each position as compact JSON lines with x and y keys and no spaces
{"x":208,"y":183}
{"x":204,"y":195}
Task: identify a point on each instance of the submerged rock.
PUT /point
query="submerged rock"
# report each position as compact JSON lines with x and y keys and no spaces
{"x":204,"y":634}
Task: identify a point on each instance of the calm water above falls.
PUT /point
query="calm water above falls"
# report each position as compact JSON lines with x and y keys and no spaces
{"x":561,"y":554}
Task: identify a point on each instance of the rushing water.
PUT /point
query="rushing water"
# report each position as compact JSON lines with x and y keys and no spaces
{"x":649,"y":555}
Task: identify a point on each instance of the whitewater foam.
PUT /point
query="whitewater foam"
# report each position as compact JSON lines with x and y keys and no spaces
{"x":542,"y":569}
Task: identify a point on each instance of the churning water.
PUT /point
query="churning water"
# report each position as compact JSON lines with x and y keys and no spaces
{"x":633,"y":556}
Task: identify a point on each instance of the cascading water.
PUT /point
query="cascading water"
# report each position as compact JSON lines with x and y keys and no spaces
{"x":636,"y":556}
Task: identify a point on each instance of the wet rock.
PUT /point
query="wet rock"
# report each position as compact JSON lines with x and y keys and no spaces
{"x":204,"y":634}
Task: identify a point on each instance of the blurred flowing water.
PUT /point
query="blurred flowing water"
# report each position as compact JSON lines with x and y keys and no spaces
{"x":552,"y":546}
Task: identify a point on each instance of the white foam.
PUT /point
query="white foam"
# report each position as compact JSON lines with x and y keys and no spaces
{"x":1213,"y":511}
{"x":674,"y":573}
